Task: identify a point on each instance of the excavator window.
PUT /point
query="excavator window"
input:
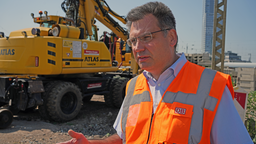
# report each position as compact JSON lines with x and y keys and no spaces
{"x":94,"y":34}
{"x":46,"y":25}
{"x":50,"y":23}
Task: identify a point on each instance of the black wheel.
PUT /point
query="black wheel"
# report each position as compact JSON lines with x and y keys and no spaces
{"x":87,"y":99}
{"x":119,"y":91}
{"x":43,"y":108}
{"x":64,"y":101}
{"x":109,"y":97}
{"x":6,"y":118}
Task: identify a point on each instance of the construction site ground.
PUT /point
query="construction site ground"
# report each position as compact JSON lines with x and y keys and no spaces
{"x":95,"y":121}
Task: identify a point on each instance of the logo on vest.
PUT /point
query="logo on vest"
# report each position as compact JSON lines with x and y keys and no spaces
{"x":181,"y":111}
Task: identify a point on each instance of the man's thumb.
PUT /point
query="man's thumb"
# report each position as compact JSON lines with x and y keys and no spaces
{"x":74,"y":134}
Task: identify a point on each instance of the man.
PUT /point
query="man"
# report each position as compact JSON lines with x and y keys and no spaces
{"x":173,"y":101}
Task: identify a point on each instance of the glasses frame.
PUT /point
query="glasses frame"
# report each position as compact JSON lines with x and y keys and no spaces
{"x":130,"y":44}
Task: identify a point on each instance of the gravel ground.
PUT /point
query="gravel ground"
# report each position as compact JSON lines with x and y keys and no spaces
{"x":95,"y":120}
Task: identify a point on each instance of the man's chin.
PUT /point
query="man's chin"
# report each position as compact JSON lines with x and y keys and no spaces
{"x":145,"y":67}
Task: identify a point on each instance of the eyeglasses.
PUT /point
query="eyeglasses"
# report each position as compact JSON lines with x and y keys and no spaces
{"x":144,"y":38}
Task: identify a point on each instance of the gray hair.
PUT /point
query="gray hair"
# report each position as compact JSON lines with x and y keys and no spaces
{"x":163,"y":14}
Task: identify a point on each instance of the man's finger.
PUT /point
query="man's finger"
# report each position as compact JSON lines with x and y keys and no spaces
{"x":74,"y":134}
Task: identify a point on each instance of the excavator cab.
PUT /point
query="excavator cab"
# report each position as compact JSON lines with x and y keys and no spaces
{"x":49,"y":20}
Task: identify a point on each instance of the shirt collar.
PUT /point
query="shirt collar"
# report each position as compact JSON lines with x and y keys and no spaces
{"x":175,"y":68}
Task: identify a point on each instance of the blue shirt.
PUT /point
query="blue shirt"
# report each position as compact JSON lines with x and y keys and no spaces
{"x":227,"y":127}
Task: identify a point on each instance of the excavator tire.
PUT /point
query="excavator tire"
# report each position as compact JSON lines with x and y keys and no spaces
{"x":109,"y":97}
{"x":43,"y":108}
{"x":119,"y":91}
{"x":6,"y":118}
{"x":64,"y":101}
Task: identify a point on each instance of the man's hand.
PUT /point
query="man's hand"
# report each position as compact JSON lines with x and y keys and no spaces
{"x":77,"y":138}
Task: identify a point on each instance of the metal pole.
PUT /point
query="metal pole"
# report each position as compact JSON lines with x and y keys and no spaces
{"x":219,"y":29}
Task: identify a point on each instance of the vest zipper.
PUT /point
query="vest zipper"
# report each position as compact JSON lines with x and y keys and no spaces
{"x":150,"y":127}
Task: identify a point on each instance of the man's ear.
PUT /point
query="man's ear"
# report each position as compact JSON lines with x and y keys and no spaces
{"x":172,"y":37}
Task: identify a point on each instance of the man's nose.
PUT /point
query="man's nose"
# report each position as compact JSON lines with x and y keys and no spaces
{"x":139,"y":46}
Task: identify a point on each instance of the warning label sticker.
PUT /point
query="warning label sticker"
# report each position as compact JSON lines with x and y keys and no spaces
{"x":67,"y":43}
{"x":91,"y":52}
{"x":94,"y":85}
{"x":75,"y":46}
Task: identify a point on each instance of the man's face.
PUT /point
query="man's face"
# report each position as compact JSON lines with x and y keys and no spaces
{"x":158,"y":54}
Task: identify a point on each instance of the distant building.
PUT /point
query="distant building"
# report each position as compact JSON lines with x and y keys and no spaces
{"x":233,"y":57}
{"x":199,"y":59}
{"x":246,"y":78}
{"x":207,"y":32}
{"x":232,"y":60}
{"x":243,"y":74}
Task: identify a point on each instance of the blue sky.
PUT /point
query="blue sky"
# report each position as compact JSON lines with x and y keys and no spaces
{"x":240,"y":28}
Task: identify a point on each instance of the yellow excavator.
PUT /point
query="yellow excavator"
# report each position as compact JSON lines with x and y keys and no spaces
{"x":61,"y":63}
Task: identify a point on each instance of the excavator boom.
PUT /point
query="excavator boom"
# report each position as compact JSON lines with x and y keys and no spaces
{"x":85,"y":13}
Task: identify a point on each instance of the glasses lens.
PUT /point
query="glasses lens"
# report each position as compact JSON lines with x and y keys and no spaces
{"x":146,"y":37}
{"x":129,"y":43}
{"x":132,"y":42}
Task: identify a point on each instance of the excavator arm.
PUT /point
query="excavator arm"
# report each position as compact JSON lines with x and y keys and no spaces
{"x":86,"y":11}
{"x":104,"y":17}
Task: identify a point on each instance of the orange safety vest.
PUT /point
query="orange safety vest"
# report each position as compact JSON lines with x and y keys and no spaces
{"x":185,"y":113}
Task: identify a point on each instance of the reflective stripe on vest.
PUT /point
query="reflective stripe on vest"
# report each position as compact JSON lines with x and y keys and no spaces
{"x":180,"y":117}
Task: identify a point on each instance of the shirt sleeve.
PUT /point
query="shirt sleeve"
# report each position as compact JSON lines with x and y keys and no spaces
{"x":227,"y":126}
{"x":117,"y":124}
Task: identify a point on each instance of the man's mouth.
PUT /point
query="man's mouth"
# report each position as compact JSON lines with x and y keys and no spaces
{"x":142,"y":58}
